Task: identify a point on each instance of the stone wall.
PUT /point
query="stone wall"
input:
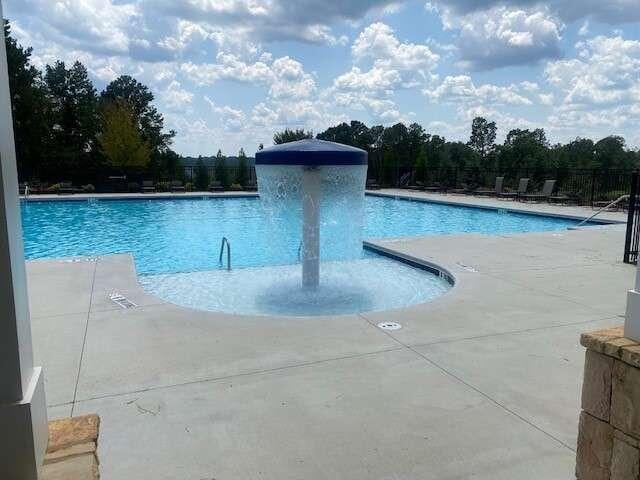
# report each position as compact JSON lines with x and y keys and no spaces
{"x":72,"y":450}
{"x":609,"y":431}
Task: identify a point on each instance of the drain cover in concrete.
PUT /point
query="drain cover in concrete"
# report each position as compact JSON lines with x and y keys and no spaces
{"x":389,"y":326}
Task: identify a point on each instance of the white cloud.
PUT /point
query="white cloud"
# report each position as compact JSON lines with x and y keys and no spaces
{"x":460,"y":89}
{"x":610,"y":11}
{"x":505,"y":36}
{"x":607,"y":73}
{"x":378,"y":43}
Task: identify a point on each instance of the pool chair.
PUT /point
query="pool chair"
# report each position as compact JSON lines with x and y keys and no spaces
{"x":497,"y":189}
{"x":464,"y":189}
{"x":544,"y":194}
{"x":434,"y":187}
{"x":564,"y":198}
{"x":66,"y":188}
{"x":251,"y":187}
{"x":216,"y":186}
{"x":177,"y":186}
{"x":523,"y":185}
{"x":148,"y":187}
{"x":417,"y":185}
{"x":372,"y":184}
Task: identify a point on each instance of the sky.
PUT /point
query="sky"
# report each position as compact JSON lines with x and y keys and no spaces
{"x":227,"y":74}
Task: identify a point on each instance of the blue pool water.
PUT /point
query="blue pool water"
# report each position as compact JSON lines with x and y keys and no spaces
{"x":171,"y":236}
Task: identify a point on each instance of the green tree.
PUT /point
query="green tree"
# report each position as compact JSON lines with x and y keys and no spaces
{"x":288,"y":135}
{"x":221,"y":169}
{"x":74,"y":119}
{"x":243,"y":173}
{"x":202,"y":175}
{"x":610,"y":153}
{"x":525,"y":149}
{"x":120,"y":139}
{"x":150,"y":122}
{"x":483,"y":137}
{"x":29,"y":105}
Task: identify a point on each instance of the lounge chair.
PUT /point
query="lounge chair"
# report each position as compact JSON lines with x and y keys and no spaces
{"x":372,"y":184}
{"x":177,"y":186}
{"x":497,"y":190}
{"x":564,"y":198}
{"x":523,"y":185}
{"x":434,"y":187}
{"x":544,"y":194}
{"x":66,"y":188}
{"x":216,"y":186}
{"x":465,"y":189}
{"x":417,"y":185}
{"x":251,"y":187}
{"x":148,"y":186}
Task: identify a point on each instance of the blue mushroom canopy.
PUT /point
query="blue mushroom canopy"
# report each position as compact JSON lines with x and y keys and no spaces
{"x":311,"y":152}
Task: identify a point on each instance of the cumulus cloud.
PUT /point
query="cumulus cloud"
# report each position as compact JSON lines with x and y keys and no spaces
{"x":607,"y":72}
{"x":460,"y":89}
{"x":382,"y":65}
{"x":610,"y":11}
{"x":379,"y":44}
{"x":506,"y":36}
{"x":599,"y":90}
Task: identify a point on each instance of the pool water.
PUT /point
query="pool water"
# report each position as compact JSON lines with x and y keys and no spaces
{"x":175,"y":244}
{"x":172,"y":236}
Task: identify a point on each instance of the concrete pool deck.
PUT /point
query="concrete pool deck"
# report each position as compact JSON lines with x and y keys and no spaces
{"x":484,"y":382}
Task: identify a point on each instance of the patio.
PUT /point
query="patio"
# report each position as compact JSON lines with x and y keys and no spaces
{"x":483,"y":382}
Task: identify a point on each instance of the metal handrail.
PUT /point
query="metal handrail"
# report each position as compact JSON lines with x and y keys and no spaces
{"x":225,"y":241}
{"x":609,"y":205}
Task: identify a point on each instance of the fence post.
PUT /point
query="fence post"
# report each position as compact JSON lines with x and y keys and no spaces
{"x":630,"y":218}
{"x":593,"y":185}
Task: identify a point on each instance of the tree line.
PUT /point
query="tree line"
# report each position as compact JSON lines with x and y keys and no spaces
{"x":411,"y":146}
{"x":64,"y":129}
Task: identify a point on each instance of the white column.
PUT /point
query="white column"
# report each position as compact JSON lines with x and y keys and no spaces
{"x":23,"y":414}
{"x":632,"y":316}
{"x":311,"y":193}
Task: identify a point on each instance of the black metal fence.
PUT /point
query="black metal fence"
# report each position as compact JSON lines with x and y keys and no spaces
{"x":632,"y":239}
{"x":586,"y":186}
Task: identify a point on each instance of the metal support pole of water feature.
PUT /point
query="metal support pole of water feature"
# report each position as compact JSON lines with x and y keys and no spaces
{"x":311,"y":192}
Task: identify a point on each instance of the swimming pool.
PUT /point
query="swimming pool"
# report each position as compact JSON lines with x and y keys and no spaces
{"x":183,"y":235}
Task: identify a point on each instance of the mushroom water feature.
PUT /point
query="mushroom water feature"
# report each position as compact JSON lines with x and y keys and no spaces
{"x":323,"y":184}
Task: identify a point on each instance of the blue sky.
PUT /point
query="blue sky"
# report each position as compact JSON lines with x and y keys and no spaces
{"x":228,"y":73}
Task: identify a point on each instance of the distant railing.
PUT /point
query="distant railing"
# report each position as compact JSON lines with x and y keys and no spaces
{"x":585,"y":186}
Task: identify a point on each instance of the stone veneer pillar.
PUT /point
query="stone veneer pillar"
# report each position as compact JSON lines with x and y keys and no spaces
{"x":609,"y":430}
{"x":23,"y":411}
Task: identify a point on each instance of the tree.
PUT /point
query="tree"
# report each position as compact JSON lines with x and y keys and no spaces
{"x":120,"y":139}
{"x":610,"y":152}
{"x":483,"y":137}
{"x":221,"y":169}
{"x":202,"y":175}
{"x":525,"y":149}
{"x":288,"y":135}
{"x":74,"y":118}
{"x":29,"y":107}
{"x":150,"y":122}
{"x":241,"y":179}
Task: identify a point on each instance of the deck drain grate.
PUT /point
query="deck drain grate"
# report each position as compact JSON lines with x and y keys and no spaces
{"x":121,"y":300}
{"x":389,"y":326}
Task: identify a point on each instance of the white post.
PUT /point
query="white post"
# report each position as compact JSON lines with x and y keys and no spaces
{"x":23,"y":412}
{"x":311,"y":192}
{"x":632,"y":316}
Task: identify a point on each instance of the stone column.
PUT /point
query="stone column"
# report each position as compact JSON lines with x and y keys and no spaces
{"x":23,"y":414}
{"x":609,"y":431}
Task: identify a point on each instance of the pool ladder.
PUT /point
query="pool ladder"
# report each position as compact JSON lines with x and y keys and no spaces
{"x":225,"y":242}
